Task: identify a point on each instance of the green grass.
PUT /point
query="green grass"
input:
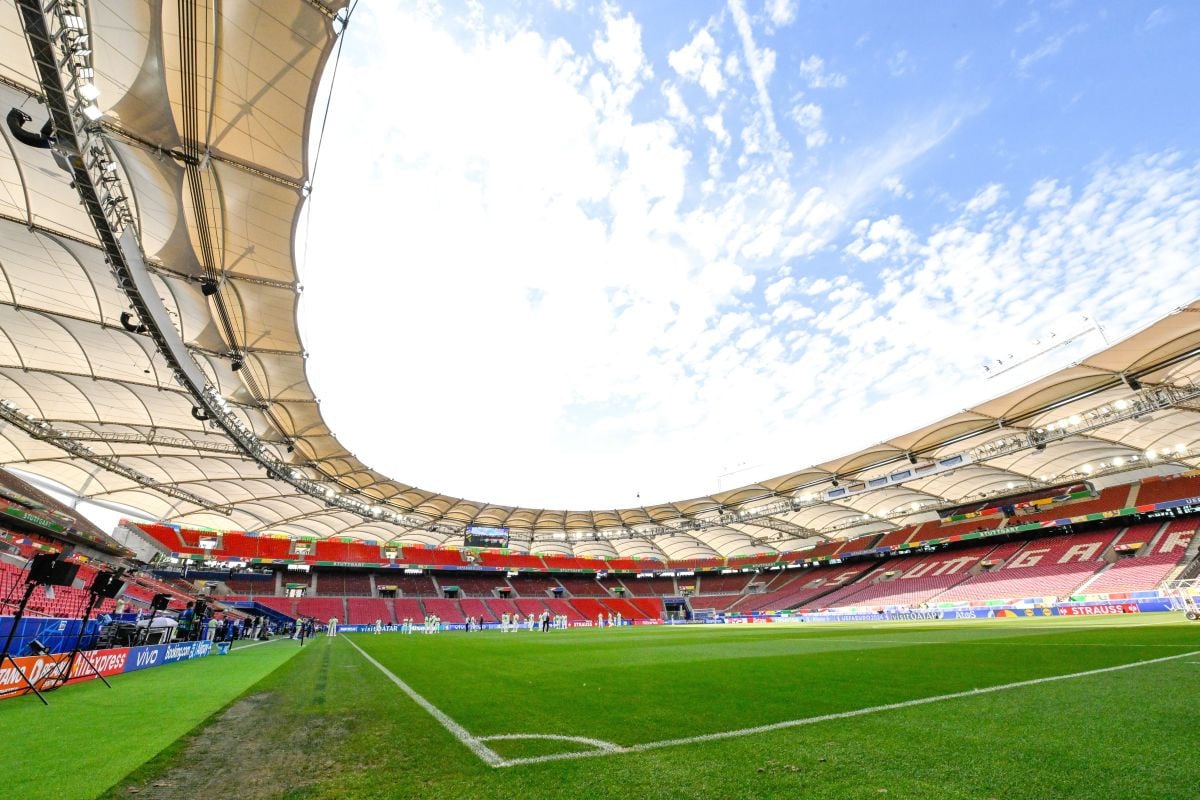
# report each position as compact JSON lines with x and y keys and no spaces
{"x":328,"y":724}
{"x":90,"y":736}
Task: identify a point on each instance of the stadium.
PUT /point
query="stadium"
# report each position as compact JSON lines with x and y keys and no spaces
{"x":205,"y":592}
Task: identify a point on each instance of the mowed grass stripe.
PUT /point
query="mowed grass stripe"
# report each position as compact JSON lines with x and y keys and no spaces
{"x":527,"y":683}
{"x":90,"y":736}
{"x":734,"y":734}
{"x":1110,"y":736}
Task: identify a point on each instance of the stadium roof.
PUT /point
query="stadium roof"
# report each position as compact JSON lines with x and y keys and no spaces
{"x":149,"y":352}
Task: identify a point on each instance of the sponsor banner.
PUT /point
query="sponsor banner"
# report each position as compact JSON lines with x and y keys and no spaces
{"x":1033,"y":611}
{"x":57,"y":634}
{"x":106,"y":662}
{"x":43,"y":671}
{"x":155,"y":655}
{"x":145,"y":656}
{"x":182,"y":651}
{"x":1099,"y":609}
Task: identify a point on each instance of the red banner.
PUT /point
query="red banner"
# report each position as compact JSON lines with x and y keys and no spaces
{"x":1110,"y":608}
{"x":42,"y":671}
{"x":106,"y":662}
{"x":46,"y":672}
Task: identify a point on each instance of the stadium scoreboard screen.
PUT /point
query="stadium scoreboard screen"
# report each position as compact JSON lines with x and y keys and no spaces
{"x":483,"y":536}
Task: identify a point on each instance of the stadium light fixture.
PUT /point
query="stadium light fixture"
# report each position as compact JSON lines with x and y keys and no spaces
{"x":89,"y":92}
{"x":92,"y":112}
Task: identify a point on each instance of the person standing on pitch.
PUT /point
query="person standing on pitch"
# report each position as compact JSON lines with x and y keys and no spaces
{"x":378,"y":627}
{"x":333,"y":626}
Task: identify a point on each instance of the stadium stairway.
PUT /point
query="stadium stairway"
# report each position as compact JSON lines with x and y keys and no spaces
{"x":446,"y":610}
{"x":626,"y":609}
{"x":475,"y":607}
{"x":590,"y":608}
{"x":529,"y":605}
{"x":562,"y":607}
{"x":322,"y":609}
{"x":365,"y":610}
{"x":500,"y":607}
{"x":408,"y":608}
{"x":282,"y":605}
{"x":652,"y":607}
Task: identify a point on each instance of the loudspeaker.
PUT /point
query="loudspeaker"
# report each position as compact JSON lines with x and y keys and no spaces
{"x":41,"y":566}
{"x":63,"y":573}
{"x":160,"y":602}
{"x":108,"y":584}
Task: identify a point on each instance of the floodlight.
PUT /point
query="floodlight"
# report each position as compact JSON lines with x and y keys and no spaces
{"x":89,"y":92}
{"x":92,"y":112}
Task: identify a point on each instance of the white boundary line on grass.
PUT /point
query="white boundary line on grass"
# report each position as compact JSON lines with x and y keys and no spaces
{"x":494,"y":759}
{"x":600,"y":744}
{"x":256,"y":644}
{"x":487,"y":754}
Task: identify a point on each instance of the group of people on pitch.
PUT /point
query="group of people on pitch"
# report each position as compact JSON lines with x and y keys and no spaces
{"x":532,"y":622}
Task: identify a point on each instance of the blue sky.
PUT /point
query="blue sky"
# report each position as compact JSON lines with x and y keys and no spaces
{"x":617,"y":254}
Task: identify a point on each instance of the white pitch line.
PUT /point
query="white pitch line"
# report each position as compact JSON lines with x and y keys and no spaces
{"x":487,"y":754}
{"x":861,"y":712}
{"x":256,"y":644}
{"x":494,"y":759}
{"x":987,"y":641}
{"x":597,"y":743}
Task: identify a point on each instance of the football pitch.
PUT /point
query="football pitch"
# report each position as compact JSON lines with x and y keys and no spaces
{"x":1096,"y":708}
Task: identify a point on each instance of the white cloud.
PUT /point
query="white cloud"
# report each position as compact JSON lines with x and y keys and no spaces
{"x":883,"y":238}
{"x":1047,"y":193}
{"x":676,"y":107}
{"x":1032,"y":21}
{"x":781,"y":12}
{"x":761,"y":63}
{"x":812,"y":70}
{"x":774,"y":293}
{"x":621,"y":47}
{"x":987,"y":197}
{"x":1159,"y":16}
{"x":699,"y":61}
{"x":1052,"y":45}
{"x":682,"y":315}
{"x":893,"y":184}
{"x":808,"y":119}
{"x":900,"y":63}
{"x":715,"y":124}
